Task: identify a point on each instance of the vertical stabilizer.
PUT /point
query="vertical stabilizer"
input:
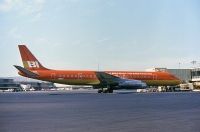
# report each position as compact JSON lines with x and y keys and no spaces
{"x":29,"y":60}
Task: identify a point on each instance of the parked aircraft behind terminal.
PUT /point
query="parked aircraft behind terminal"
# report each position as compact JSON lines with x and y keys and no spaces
{"x":105,"y":81}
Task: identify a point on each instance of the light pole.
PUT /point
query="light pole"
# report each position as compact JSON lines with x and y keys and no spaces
{"x":193,"y":63}
{"x":179,"y":65}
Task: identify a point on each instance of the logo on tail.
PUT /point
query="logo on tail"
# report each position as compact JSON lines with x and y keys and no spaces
{"x":33,"y":64}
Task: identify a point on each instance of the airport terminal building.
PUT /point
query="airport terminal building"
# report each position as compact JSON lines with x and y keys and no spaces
{"x":183,"y":74}
{"x":23,"y":84}
{"x":9,"y":85}
{"x":196,"y":77}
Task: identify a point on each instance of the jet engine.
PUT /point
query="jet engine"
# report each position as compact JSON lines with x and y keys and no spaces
{"x":131,"y":84}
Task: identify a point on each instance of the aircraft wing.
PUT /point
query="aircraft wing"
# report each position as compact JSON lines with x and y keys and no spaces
{"x":107,"y":79}
{"x":117,"y":82}
{"x":26,"y":72}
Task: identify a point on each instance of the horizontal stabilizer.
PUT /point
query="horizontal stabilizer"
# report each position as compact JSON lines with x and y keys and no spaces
{"x":26,"y":72}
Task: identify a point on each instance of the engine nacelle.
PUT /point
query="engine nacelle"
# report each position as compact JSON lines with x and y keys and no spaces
{"x":131,"y":84}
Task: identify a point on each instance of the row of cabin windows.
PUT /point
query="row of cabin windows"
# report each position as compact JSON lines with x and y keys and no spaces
{"x":76,"y":76}
{"x":135,"y":76}
{"x":93,"y":76}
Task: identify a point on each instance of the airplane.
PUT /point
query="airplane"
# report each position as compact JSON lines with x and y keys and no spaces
{"x":104,"y":81}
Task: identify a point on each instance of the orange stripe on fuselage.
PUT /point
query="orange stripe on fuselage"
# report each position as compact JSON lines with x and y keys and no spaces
{"x":69,"y":77}
{"x":150,"y":78}
{"x":89,"y":77}
{"x":144,"y":75}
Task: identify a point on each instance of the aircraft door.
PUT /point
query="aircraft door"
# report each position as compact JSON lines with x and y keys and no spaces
{"x":53,"y":75}
{"x":154,"y":77}
{"x":80,"y":76}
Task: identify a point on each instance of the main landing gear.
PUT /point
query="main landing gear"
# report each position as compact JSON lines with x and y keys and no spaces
{"x":105,"y":90}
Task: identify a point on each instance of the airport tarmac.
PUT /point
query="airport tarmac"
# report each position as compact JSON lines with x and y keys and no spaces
{"x":92,"y":112}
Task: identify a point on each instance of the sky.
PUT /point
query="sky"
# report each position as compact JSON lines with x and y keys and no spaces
{"x":100,"y":34}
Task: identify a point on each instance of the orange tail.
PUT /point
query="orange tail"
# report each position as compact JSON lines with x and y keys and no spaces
{"x":29,"y":60}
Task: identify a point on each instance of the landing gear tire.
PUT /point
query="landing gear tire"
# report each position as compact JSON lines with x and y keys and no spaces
{"x":105,"y":90}
{"x":110,"y":90}
{"x":100,"y":91}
